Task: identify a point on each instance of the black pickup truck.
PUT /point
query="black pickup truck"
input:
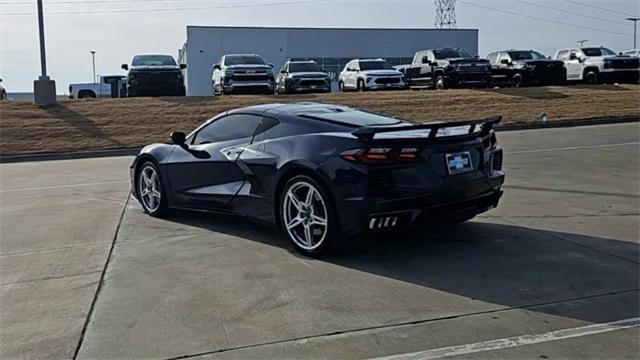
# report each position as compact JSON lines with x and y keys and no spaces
{"x":155,"y":75}
{"x":525,"y":68}
{"x":443,"y":68}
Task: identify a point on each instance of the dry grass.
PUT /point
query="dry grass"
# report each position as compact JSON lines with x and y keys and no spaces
{"x":119,"y":123}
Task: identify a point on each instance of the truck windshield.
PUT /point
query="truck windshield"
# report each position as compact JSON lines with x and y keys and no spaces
{"x":153,"y":60}
{"x":375,"y":65}
{"x":597,"y":52}
{"x":450,"y":54}
{"x":304,"y":67}
{"x":525,"y":55}
{"x":243,"y":60}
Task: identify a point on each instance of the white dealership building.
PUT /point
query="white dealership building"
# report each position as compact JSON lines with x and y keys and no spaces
{"x":332,"y":48}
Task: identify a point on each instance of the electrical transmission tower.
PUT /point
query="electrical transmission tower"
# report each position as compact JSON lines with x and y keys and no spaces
{"x":445,"y":14}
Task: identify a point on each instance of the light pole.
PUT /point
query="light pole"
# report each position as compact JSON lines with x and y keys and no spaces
{"x":44,"y":89}
{"x":93,"y":60}
{"x":581,"y":42}
{"x":635,"y":30}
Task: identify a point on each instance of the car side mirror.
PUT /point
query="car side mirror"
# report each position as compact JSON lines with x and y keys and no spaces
{"x":270,"y":65}
{"x":283,"y":71}
{"x":0,"y":80}
{"x":183,"y":66}
{"x":573,"y":56}
{"x":505,"y":61}
{"x":217,"y":67}
{"x":178,"y":137}
{"x":125,"y":67}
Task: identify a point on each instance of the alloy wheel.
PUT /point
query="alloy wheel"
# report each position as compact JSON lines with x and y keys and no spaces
{"x":305,"y":215}
{"x":149,"y":188}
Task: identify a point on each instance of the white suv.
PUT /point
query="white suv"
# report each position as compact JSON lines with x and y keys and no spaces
{"x":594,"y":65}
{"x":370,"y":74}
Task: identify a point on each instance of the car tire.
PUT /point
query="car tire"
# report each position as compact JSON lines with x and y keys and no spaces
{"x":86,"y":95}
{"x":307,"y":216}
{"x":439,"y":83}
{"x":341,"y":86}
{"x":516,"y":80}
{"x":361,"y":86}
{"x":591,"y":77}
{"x":150,"y":189}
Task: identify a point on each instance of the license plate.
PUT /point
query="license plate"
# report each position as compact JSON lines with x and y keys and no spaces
{"x":459,"y":162}
{"x":313,"y":86}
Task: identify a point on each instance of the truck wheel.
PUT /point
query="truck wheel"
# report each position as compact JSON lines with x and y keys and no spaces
{"x":516,"y":80}
{"x":439,"y":83}
{"x":361,"y":86}
{"x":591,"y":77}
{"x":84,"y":94}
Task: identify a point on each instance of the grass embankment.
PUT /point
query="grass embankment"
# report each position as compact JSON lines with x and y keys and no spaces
{"x":76,"y":125}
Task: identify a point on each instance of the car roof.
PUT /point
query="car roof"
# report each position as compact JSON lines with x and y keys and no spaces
{"x":301,"y":61}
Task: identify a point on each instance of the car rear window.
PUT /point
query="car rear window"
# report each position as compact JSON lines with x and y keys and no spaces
{"x":353,"y":117}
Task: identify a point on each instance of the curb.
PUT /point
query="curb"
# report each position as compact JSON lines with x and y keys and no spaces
{"x":134,"y":151}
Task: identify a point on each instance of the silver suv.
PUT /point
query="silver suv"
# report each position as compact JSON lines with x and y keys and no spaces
{"x":370,"y":74}
{"x":594,"y":65}
{"x":242,"y":73}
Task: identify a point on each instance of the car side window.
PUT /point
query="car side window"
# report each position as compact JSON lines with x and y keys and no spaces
{"x":563,"y":55}
{"x":235,"y":126}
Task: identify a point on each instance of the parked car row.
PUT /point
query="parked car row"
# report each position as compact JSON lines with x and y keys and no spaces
{"x":160,"y":75}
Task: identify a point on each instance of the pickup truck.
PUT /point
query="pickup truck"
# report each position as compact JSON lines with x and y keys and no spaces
{"x":155,"y":75}
{"x":247,"y":73}
{"x":595,"y":65}
{"x":447,"y":67}
{"x":112,"y":86}
{"x":525,"y":68}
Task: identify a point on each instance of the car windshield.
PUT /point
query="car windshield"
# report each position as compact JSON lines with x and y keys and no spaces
{"x":525,"y":55}
{"x":243,"y":60}
{"x":597,"y":52}
{"x":153,"y":60}
{"x":355,"y":117}
{"x":304,"y":67}
{"x":450,"y":54}
{"x":375,"y":65}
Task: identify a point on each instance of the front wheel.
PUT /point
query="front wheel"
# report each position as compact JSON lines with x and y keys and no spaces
{"x":591,"y":78}
{"x":307,"y":216}
{"x":516,"y":81}
{"x":439,"y":83}
{"x":150,"y":190}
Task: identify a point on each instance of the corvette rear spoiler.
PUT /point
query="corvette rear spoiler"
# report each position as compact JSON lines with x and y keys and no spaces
{"x":436,"y":131}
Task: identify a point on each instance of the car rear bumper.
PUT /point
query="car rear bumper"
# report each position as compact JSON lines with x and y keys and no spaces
{"x":471,"y":195}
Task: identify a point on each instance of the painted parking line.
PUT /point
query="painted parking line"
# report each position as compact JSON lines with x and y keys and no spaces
{"x":517,"y":341}
{"x":572,"y":148}
{"x":64,"y":186}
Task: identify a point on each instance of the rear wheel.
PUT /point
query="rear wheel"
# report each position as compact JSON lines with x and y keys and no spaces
{"x":86,"y":95}
{"x":150,"y":190}
{"x":307,"y":216}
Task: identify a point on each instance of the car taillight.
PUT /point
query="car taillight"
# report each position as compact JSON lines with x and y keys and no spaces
{"x":382,"y":155}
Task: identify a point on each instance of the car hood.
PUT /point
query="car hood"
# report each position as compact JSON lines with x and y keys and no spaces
{"x":310,"y":74}
{"x":155,"y":68}
{"x":381,"y":72}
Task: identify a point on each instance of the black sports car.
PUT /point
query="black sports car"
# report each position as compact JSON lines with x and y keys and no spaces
{"x":321,"y":170}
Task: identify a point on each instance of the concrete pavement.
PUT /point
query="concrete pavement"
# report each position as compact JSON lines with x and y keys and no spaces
{"x":560,"y":252}
{"x":57,"y":223}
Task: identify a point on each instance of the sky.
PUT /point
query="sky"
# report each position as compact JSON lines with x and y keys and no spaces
{"x":117,"y":35}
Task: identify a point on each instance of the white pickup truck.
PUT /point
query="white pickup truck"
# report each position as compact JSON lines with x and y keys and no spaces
{"x":112,"y":86}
